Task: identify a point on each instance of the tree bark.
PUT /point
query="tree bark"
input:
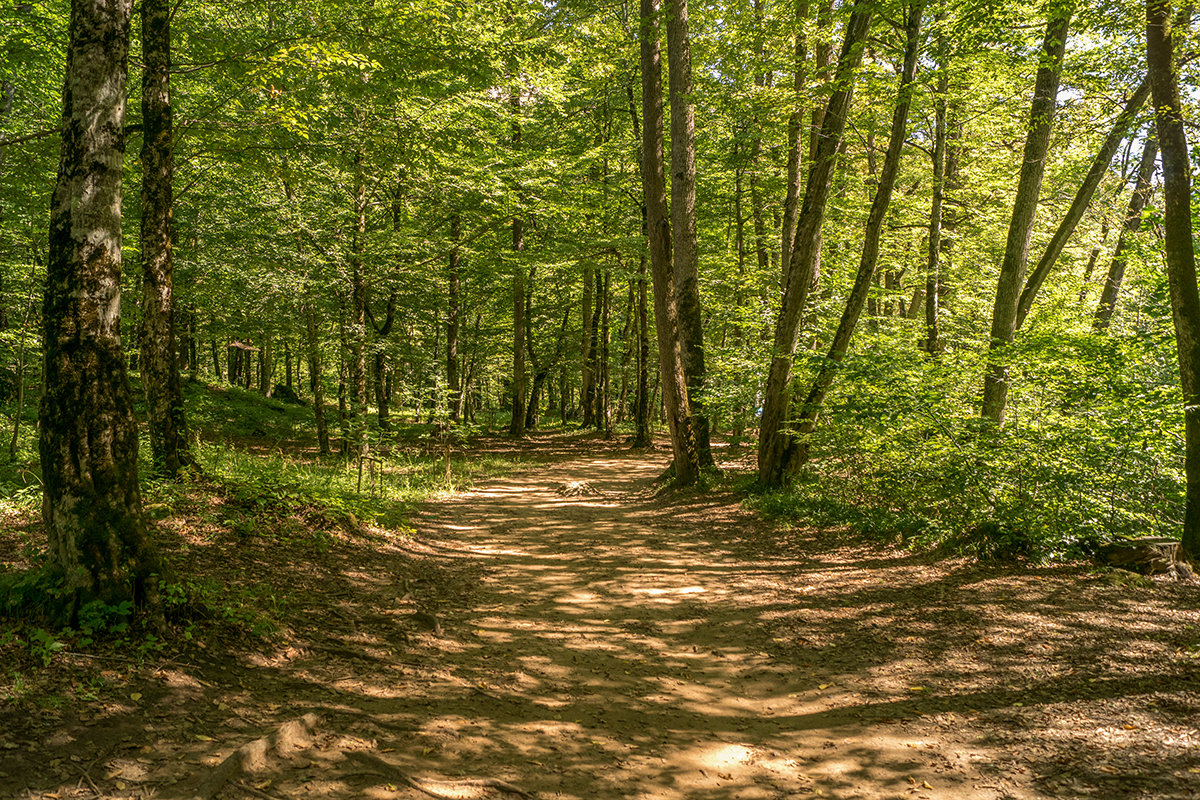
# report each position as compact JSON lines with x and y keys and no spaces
{"x":160,"y":375}
{"x":870,"y":254}
{"x":1133,"y":222}
{"x":452,"y":324}
{"x":641,"y":436}
{"x":686,"y":254}
{"x":1020,"y":230}
{"x":933,"y":265}
{"x":587,"y":376}
{"x":315,"y":382}
{"x":91,"y":505}
{"x":776,"y":444}
{"x":356,"y":422}
{"x":1083,"y":198}
{"x":658,"y":235}
{"x":1180,"y":248}
{"x":796,"y":137}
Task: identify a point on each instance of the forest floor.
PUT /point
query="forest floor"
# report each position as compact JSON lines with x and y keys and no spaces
{"x":569,"y":631}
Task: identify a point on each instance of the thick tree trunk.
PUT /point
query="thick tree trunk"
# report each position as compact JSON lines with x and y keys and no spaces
{"x":1180,"y":248}
{"x":160,"y":375}
{"x":316,"y":384}
{"x":776,"y":444}
{"x":686,"y":254}
{"x":1020,"y":230}
{"x":658,"y":234}
{"x":1083,"y":198}
{"x":870,"y":253}
{"x":1133,"y":222}
{"x":91,"y":505}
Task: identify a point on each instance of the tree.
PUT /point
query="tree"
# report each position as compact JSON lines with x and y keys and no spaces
{"x":1179,"y":246}
{"x":91,"y":504}
{"x":160,"y":375}
{"x":776,"y":444}
{"x":1142,"y":190}
{"x":1029,"y":187}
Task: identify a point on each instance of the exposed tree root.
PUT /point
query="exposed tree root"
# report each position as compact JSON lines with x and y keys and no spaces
{"x":253,"y":756}
{"x":443,"y":790}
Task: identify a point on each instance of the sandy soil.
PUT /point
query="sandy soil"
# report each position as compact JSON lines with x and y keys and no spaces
{"x":572,"y":634}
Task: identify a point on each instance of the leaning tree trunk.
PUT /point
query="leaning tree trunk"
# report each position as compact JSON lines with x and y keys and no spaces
{"x":1179,"y":245}
{"x":870,"y":252}
{"x":796,"y":138}
{"x":91,"y":506}
{"x":658,"y":235}
{"x":685,"y":256}
{"x":1083,"y":198}
{"x":776,"y":442}
{"x":160,"y":376}
{"x":1020,"y":230}
{"x":1133,"y":223}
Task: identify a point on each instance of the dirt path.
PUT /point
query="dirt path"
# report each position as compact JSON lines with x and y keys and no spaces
{"x":570,"y":633}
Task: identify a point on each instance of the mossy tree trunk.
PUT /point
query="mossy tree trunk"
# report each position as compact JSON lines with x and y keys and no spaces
{"x":91,"y":505}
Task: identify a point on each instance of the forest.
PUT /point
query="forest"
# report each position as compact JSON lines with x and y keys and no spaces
{"x":574,"y":399}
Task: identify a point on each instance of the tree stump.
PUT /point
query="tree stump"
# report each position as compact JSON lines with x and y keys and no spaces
{"x":1149,"y":555}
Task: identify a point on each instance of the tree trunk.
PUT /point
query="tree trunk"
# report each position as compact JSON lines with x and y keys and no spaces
{"x":1020,"y":230}
{"x":796,"y":137}
{"x":587,"y":374}
{"x":870,"y":253}
{"x":604,"y":406}
{"x":658,"y":235}
{"x":776,"y":444}
{"x":933,"y":264}
{"x":641,"y":436}
{"x":686,"y":254}
{"x":1180,"y":248}
{"x":357,"y":328}
{"x":1133,"y":222}
{"x":160,"y":375}
{"x":517,"y":424}
{"x":452,"y":380}
{"x":91,"y":505}
{"x":316,"y":384}
{"x":1083,"y":198}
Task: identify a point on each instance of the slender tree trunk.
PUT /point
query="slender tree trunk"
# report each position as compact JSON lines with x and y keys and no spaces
{"x":357,"y":327}
{"x":1133,"y":222}
{"x":933,"y":268}
{"x":776,"y":443}
{"x":641,"y":436}
{"x":685,"y":253}
{"x":1020,"y":230}
{"x":91,"y":505}
{"x":796,"y":138}
{"x":587,"y":372}
{"x":658,"y":234}
{"x":316,"y":384}
{"x":452,"y":318}
{"x":1083,"y":198}
{"x":1180,"y":247}
{"x":19,"y":412}
{"x":517,"y":424}
{"x":604,"y":410}
{"x":870,"y":253}
{"x":160,"y":375}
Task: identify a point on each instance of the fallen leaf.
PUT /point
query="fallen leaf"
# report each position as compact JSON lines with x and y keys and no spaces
{"x":135,"y":696}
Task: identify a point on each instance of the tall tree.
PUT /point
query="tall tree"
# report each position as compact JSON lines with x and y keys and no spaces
{"x":686,"y":252}
{"x":1029,"y":187}
{"x":160,"y":377}
{"x":777,"y":444}
{"x":684,"y":445}
{"x":1179,"y":245}
{"x":807,"y":418}
{"x":91,"y":504}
